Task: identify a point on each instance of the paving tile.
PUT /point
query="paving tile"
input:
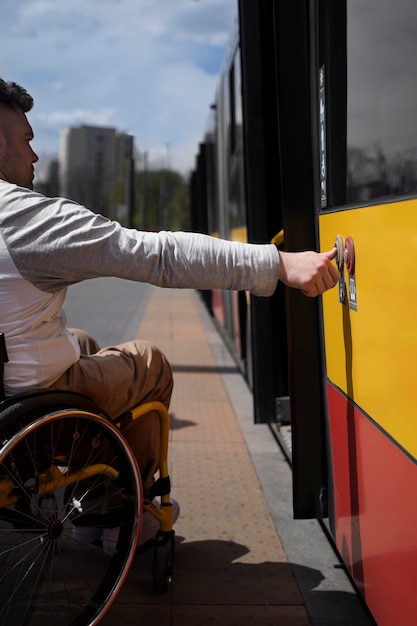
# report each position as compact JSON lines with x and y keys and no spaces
{"x":133,"y":614}
{"x":240,"y":616}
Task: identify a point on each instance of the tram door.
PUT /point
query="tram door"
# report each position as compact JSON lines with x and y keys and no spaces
{"x":269,"y":371}
{"x":348,"y":133}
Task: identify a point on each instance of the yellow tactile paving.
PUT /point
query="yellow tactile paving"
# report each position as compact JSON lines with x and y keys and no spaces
{"x":230,"y":567}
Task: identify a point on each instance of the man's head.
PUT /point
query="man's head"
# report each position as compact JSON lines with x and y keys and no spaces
{"x":16,"y":154}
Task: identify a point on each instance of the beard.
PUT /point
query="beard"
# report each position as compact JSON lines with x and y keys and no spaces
{"x":14,"y":172}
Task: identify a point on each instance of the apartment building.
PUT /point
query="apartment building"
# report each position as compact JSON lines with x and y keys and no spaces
{"x":96,"y":169}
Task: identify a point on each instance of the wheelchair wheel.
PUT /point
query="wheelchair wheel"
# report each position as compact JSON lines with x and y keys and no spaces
{"x":70,"y":514}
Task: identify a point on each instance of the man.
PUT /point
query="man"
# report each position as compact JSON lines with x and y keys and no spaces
{"x":47,"y":244}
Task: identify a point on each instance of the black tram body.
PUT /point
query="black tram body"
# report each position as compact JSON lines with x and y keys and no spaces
{"x":314,"y":132}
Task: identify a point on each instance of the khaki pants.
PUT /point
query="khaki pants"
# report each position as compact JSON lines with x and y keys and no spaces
{"x":119,"y":378}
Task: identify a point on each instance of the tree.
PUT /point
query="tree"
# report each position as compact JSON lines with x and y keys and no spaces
{"x":160,"y":195}
{"x":47,"y":175}
{"x":162,"y":201}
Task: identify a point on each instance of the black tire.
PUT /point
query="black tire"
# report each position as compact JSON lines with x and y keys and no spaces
{"x":49,"y":573}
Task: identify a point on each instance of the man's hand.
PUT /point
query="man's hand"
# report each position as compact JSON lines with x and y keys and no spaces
{"x":311,"y":272}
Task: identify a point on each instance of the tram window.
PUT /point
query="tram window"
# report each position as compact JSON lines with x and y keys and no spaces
{"x":235,"y":104}
{"x":237,"y":211}
{"x":232,"y":95}
{"x":381,"y":148}
{"x":238,"y":101}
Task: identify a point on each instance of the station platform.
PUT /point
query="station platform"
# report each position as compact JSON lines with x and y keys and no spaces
{"x":241,"y":559}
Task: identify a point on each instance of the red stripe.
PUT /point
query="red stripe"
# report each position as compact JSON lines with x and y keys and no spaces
{"x":375,"y":487}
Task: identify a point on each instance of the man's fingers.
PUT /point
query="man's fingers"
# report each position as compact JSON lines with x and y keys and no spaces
{"x":331,"y":254}
{"x":321,"y":284}
{"x":333,"y":270}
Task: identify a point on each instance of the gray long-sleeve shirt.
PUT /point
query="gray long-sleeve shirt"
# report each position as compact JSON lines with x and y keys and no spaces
{"x":47,"y":244}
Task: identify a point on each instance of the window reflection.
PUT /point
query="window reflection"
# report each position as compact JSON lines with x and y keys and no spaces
{"x":382,"y":98}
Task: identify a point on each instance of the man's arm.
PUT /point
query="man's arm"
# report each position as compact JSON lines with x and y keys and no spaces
{"x":55,"y":242}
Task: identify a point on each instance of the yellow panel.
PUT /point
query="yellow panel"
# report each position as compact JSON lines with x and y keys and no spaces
{"x":371,"y":353}
{"x":238,"y":234}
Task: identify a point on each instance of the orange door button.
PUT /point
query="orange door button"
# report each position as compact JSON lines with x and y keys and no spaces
{"x":349,"y":256}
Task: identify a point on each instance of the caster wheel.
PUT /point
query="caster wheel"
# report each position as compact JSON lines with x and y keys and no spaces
{"x":163,"y":560}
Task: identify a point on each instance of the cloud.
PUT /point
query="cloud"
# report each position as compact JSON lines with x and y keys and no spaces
{"x":147,"y":67}
{"x":57,"y":119}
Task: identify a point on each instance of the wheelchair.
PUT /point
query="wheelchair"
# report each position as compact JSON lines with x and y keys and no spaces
{"x":71,"y":506}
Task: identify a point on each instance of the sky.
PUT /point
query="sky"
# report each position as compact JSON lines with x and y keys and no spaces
{"x":145,"y":67}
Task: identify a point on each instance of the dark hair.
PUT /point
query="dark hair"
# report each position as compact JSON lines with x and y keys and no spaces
{"x":15,"y":96}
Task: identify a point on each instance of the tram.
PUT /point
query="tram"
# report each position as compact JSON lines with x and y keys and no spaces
{"x":314,"y":133}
